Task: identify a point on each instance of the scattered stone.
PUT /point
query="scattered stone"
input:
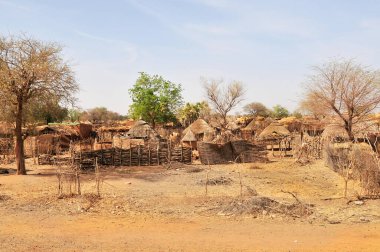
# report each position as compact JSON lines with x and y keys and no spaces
{"x":334,"y":221}
{"x":359,"y":202}
{"x":364,"y":219}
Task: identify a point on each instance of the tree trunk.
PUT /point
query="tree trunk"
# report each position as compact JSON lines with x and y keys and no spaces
{"x":19,"y":149}
{"x":348,"y":128}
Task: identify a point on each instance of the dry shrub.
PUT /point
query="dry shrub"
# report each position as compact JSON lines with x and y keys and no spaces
{"x":256,"y":206}
{"x":255,"y":167}
{"x":193,"y":169}
{"x":356,"y":161}
{"x":217,"y":181}
{"x":366,"y":170}
{"x":4,"y":197}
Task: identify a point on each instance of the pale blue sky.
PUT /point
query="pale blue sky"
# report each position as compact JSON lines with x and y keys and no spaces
{"x":268,"y":45}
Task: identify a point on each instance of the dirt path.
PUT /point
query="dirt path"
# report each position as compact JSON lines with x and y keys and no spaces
{"x":94,"y":233}
{"x":153,"y":209}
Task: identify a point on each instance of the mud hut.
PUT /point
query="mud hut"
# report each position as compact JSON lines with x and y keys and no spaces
{"x":275,"y":131}
{"x":105,"y":134}
{"x":255,"y":127}
{"x":312,"y":126}
{"x":233,"y":127}
{"x":334,"y":132}
{"x":292,"y":123}
{"x":142,"y":130}
{"x":190,"y":140}
{"x":200,"y":128}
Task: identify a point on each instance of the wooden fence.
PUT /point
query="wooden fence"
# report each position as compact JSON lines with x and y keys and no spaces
{"x":139,"y":155}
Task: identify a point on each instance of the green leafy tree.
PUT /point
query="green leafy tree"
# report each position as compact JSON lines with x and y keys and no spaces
{"x":155,"y":99}
{"x":47,"y":111}
{"x":279,"y":112}
{"x":74,"y":115}
{"x":192,"y":111}
{"x":256,"y":109}
{"x":297,"y":114}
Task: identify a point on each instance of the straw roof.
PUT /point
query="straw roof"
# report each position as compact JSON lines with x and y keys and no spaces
{"x":258,"y":123}
{"x":334,"y":130}
{"x":274,"y":131}
{"x":232,"y":126}
{"x":189,"y":137}
{"x":200,"y":126}
{"x":142,"y":129}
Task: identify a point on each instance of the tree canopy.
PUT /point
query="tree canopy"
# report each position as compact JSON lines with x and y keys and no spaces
{"x":343,"y":88}
{"x":100,"y":114}
{"x":192,"y":111}
{"x":222,"y":97}
{"x":279,"y":111}
{"x":155,"y":99}
{"x":256,"y":109}
{"x":31,"y":71}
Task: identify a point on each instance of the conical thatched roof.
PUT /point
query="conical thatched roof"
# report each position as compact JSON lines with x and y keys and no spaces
{"x":258,"y":123}
{"x":232,"y":126}
{"x":189,"y":137}
{"x":334,"y":130}
{"x":274,"y":131}
{"x":200,"y":126}
{"x":142,"y":130}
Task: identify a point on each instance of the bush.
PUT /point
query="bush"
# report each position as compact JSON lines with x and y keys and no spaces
{"x":355,"y":161}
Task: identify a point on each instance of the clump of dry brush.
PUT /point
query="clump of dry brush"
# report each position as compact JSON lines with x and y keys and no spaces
{"x":259,"y":205}
{"x":356,"y":161}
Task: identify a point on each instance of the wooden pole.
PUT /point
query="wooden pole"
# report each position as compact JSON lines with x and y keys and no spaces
{"x":130,"y":154}
{"x":138,"y":154}
{"x":158,"y":154}
{"x":181,"y":152}
{"x":149,"y":154}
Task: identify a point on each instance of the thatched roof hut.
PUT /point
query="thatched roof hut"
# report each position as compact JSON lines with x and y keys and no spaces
{"x":45,"y":129}
{"x":142,"y":130}
{"x":189,"y":137}
{"x":199,"y":127}
{"x":232,"y":126}
{"x":312,"y":126}
{"x":333,"y":131}
{"x":292,"y":123}
{"x":274,"y":131}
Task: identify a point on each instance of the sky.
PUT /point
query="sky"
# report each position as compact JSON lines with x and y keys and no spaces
{"x":270,"y":46}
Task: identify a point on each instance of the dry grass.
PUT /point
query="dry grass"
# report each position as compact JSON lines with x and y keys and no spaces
{"x":256,"y":206}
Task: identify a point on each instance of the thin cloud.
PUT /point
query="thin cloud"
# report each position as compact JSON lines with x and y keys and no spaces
{"x":15,"y":5}
{"x":129,"y":49}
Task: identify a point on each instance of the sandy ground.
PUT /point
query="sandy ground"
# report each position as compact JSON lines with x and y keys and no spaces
{"x":156,"y":209}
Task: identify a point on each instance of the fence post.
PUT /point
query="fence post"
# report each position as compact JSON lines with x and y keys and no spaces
{"x":181,"y":153}
{"x":148,"y":154}
{"x":158,"y":153}
{"x":138,"y":154}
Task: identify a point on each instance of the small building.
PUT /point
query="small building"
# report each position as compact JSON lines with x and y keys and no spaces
{"x":190,"y":140}
{"x":142,"y":130}
{"x":275,"y":131}
{"x":200,"y":128}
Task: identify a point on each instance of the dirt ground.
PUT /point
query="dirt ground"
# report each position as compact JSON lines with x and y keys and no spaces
{"x":161,"y":209}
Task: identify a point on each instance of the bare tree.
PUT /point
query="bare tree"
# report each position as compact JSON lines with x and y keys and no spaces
{"x":346,"y":89}
{"x":223,"y":98}
{"x":31,"y":70}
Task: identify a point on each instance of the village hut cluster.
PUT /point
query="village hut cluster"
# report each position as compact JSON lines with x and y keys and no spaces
{"x":132,"y":142}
